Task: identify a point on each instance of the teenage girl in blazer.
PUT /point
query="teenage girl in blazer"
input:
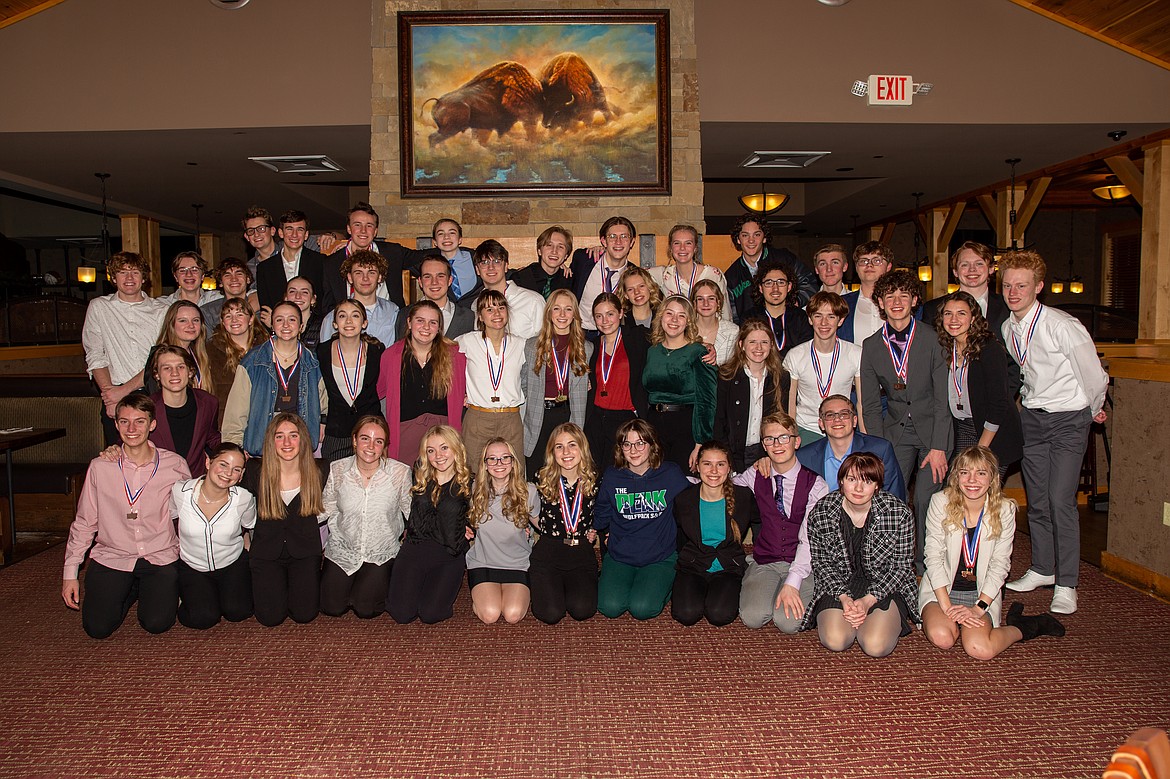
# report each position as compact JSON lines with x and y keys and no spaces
{"x":186,"y":416}
{"x":755,"y":355}
{"x":350,"y":362}
{"x":713,"y":517}
{"x":616,"y":394}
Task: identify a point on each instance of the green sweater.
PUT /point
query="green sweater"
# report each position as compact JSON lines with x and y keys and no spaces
{"x":680,"y":377}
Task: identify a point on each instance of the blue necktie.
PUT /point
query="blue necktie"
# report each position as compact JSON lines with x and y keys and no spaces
{"x":780,"y":496}
{"x":455,"y":283}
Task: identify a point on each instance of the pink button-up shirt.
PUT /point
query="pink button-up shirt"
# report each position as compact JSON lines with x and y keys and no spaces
{"x":103,"y":507}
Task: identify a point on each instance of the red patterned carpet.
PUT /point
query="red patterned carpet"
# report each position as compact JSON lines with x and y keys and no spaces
{"x":347,"y":698}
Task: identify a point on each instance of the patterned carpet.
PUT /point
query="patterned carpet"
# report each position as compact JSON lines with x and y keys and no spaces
{"x":344,"y":697}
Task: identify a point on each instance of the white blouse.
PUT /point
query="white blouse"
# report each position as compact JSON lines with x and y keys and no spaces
{"x":211,"y":544}
{"x":365,"y":521}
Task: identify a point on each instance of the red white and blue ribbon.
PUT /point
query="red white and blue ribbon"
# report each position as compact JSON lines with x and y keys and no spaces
{"x":678,"y":280}
{"x":607,"y":368}
{"x":496,"y":375}
{"x":782,"y":338}
{"x":281,"y":375}
{"x":198,"y":374}
{"x":1022,"y":354}
{"x":900,"y":365}
{"x":561,"y":370}
{"x":958,"y":373}
{"x":971,"y":549}
{"x":132,"y":496}
{"x":571,"y":513}
{"x":351,"y":384}
{"x":824,"y":385}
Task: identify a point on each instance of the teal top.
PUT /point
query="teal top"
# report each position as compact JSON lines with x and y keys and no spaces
{"x":680,"y":377}
{"x":713,"y":523}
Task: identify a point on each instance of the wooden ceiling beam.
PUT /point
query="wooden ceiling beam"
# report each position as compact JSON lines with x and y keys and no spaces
{"x":26,"y":13}
{"x":1036,"y":7}
{"x":1128,"y":174}
{"x":986,"y":202}
{"x":951,"y":223}
{"x":1032,"y":198}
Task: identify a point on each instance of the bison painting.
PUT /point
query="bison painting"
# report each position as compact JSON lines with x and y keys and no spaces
{"x":571,"y":92}
{"x":495,"y":99}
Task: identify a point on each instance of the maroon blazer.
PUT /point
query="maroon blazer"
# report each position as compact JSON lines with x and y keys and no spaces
{"x":206,"y":434}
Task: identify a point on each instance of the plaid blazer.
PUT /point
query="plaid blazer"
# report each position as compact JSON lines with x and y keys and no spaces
{"x":533,"y":409}
{"x":888,"y":554}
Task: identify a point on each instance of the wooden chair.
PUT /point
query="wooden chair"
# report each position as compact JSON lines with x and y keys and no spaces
{"x":1144,"y":755}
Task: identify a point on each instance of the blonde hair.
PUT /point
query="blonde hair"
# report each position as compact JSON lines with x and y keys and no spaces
{"x":545,"y":340}
{"x":442,"y":364}
{"x":738,"y":359}
{"x":198,"y":347}
{"x":424,"y":472}
{"x":269,"y":503}
{"x":969,"y":459}
{"x":515,"y":495}
{"x":719,"y":297}
{"x":651,"y":287}
{"x":690,"y":334}
{"x":549,"y":479}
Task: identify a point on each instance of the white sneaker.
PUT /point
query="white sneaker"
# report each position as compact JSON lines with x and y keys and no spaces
{"x":1030,"y":581}
{"x":1064,"y":600}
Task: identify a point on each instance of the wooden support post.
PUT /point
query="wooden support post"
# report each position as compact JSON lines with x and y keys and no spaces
{"x":940,"y":227}
{"x":873,"y":233}
{"x":986,"y":204}
{"x":1154,"y":298}
{"x":140,"y":235}
{"x":1003,"y":206}
{"x":1128,"y":174}
{"x":209,"y":249}
{"x":887,"y":233}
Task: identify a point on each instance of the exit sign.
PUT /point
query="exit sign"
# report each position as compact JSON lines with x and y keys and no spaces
{"x":890,"y":90}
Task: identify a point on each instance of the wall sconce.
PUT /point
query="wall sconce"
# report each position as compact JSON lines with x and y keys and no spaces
{"x":763,"y":202}
{"x":854,"y":287}
{"x":925,"y":273}
{"x":952,"y":289}
{"x":208,"y":283}
{"x":1112,"y":192}
{"x":86,"y":274}
{"x":1056,"y":287}
{"x":1076,"y":286}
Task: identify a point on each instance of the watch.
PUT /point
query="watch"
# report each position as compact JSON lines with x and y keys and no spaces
{"x":982,"y":604}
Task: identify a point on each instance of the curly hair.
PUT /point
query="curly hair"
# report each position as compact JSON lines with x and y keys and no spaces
{"x":975,"y":458}
{"x":515,"y":495}
{"x":728,"y":485}
{"x":545,"y":339}
{"x":424,"y":472}
{"x":977,"y":335}
{"x":690,"y":334}
{"x":1022,"y":259}
{"x":737,"y":228}
{"x":768,"y":265}
{"x":897,"y":280}
{"x":128,"y":260}
{"x":549,"y":478}
{"x":651,"y":286}
{"x":365,"y":258}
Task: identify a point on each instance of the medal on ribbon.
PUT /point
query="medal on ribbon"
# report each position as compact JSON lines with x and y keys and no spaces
{"x":496,"y":375}
{"x":571,"y":513}
{"x":958,"y":375}
{"x":678,"y":280}
{"x":1022,"y":353}
{"x":823,"y":385}
{"x":351,"y":384}
{"x":198,"y":374}
{"x":606,"y":368}
{"x":782,"y":338}
{"x":900,"y":365}
{"x":132,"y":496}
{"x":971,"y":550}
{"x":561,"y":372}
{"x":285,"y":377}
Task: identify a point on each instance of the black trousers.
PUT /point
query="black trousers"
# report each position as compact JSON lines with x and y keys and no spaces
{"x":206,"y":597}
{"x":109,"y":593}
{"x":563,"y":579}
{"x":676,"y":434}
{"x":711,"y":595}
{"x":424,"y":582}
{"x":286,"y":587}
{"x":365,"y":590}
{"x":601,"y":425}
{"x":552,"y":418}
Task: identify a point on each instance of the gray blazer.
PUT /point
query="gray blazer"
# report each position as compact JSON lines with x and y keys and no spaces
{"x":924,"y":398}
{"x":533,"y":409}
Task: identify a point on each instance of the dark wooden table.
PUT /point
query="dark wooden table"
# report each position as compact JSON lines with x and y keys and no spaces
{"x":9,"y":443}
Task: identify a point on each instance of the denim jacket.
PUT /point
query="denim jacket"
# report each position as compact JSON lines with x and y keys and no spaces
{"x":262,"y":373}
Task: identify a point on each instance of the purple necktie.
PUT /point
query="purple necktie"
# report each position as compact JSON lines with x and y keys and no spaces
{"x":780,"y":497}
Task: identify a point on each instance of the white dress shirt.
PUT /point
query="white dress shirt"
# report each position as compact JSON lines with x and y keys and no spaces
{"x":798,"y":363}
{"x":1060,"y":365}
{"x":479,"y":386}
{"x":365,"y":520}
{"x":594,"y":286}
{"x":867,"y":320}
{"x":211,"y":544}
{"x":205,"y":297}
{"x":755,"y":406}
{"x":118,"y":335}
{"x":525,"y":311}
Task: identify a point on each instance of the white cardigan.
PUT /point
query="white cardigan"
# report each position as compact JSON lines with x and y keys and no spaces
{"x":944,"y":549}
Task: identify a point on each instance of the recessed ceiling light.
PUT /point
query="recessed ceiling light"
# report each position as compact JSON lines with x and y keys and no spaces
{"x":305,"y":163}
{"x":782,"y":159}
{"x":879,"y":156}
{"x":192,"y":164}
{"x":844,"y":170}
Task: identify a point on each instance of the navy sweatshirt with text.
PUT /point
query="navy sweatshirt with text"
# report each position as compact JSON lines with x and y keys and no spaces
{"x":638,"y":513}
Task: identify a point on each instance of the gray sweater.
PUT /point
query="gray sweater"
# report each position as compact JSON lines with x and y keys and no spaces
{"x":498,"y":542}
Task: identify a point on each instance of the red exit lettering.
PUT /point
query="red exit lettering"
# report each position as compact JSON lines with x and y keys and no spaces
{"x":891,"y":90}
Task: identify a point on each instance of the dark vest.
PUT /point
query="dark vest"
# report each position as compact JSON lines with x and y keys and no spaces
{"x":779,"y":537}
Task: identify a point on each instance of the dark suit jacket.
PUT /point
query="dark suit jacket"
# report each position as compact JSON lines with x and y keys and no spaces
{"x":397,"y":257}
{"x":846,"y":330}
{"x":270,"y":280}
{"x":636,"y":343}
{"x":988,"y":391}
{"x":813,"y":458}
{"x":696,"y":557}
{"x":925,"y":395}
{"x":797,"y":329}
{"x":997,"y":314}
{"x":205,"y":436}
{"x":342,"y":416}
{"x":301,"y":534}
{"x":731,"y":412}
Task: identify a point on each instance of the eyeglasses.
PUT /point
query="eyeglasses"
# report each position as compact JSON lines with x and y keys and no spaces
{"x":187,"y":271}
{"x":492,"y":261}
{"x":257,"y":230}
{"x":505,"y":459}
{"x":618,"y":238}
{"x":870,"y":262}
{"x":774,"y":283}
{"x":833,"y":416}
{"x":635,"y":446}
{"x":769,"y":440}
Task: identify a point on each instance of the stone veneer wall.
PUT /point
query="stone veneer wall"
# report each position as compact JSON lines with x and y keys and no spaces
{"x":525,"y":218}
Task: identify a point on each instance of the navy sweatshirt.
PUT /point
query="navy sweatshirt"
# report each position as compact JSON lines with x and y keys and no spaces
{"x":638,"y":513}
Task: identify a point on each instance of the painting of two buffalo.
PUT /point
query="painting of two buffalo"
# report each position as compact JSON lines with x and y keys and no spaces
{"x":516,"y":103}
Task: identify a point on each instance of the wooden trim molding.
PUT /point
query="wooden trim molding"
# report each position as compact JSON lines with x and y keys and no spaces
{"x":38,"y":352}
{"x":1136,"y":576}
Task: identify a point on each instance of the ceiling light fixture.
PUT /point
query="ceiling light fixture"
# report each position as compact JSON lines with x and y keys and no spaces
{"x":1112,"y":192}
{"x":782,"y":159}
{"x":762,"y":201}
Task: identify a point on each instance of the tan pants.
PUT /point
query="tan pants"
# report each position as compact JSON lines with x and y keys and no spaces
{"x":479,"y":427}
